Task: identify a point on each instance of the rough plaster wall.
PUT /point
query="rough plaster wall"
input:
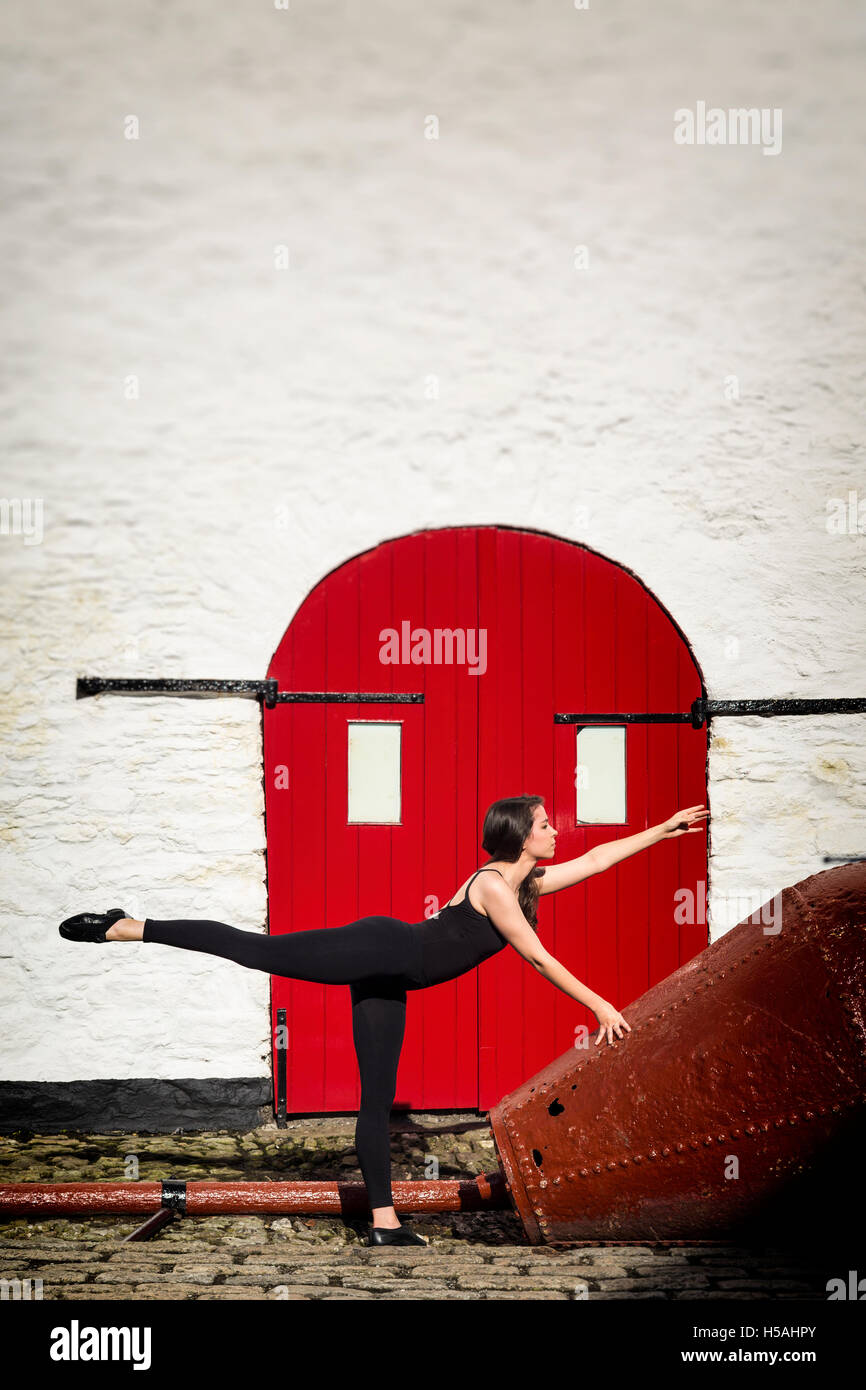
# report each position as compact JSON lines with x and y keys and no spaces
{"x":430,"y":357}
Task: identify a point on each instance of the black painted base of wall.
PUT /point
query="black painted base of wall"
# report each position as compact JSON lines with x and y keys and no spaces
{"x":141,"y":1106}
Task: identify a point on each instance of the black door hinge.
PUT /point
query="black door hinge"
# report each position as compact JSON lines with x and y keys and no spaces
{"x":703,"y":710}
{"x":266,"y":690}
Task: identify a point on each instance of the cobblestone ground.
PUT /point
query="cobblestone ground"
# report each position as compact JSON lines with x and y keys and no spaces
{"x":470,"y":1255}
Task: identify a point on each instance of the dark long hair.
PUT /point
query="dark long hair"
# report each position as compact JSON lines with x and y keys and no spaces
{"x":506,"y":825}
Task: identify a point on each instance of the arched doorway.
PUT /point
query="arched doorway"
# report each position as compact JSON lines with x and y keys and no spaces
{"x":491,"y":637}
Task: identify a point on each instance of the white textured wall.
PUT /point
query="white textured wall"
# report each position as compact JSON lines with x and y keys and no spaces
{"x":285,"y":418}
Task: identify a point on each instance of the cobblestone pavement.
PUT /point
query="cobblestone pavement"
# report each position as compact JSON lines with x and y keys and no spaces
{"x":470,"y":1255}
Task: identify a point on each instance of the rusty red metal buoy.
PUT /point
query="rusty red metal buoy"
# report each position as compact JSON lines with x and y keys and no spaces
{"x":742,"y":1068}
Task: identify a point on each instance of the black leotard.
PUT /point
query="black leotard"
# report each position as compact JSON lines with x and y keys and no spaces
{"x":456,"y":939}
{"x":380,"y":958}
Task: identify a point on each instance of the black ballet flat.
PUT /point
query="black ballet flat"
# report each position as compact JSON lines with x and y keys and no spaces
{"x":91,"y":926}
{"x":401,"y":1235}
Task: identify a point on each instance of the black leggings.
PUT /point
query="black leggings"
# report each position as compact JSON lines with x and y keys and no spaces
{"x":379,"y":958}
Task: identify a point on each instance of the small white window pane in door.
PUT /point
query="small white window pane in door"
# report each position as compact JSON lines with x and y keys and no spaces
{"x":374,"y":773}
{"x":599,"y":778}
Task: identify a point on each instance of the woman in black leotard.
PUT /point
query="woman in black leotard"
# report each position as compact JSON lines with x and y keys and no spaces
{"x":381,"y":958}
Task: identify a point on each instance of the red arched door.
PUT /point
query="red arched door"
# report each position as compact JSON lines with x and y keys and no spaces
{"x":489,"y":637}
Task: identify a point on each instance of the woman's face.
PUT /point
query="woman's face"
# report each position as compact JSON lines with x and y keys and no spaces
{"x":542,"y":839}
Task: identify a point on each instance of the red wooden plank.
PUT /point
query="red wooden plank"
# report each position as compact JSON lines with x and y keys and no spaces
{"x":534,"y":658}
{"x":306,"y":853}
{"x":407,"y":863}
{"x":503,"y":979}
{"x":663,"y":780}
{"x":439,"y":1005}
{"x":450,"y":836}
{"x":632,"y":636}
{"x":692,"y":763}
{"x":498,"y":972}
{"x":374,"y":841}
{"x":569,"y":695}
{"x":468,"y":853}
{"x":343,"y":841}
{"x":600,"y":655}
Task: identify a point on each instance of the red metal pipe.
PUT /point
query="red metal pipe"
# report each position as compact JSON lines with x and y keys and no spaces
{"x":744,"y":1069}
{"x":487,"y":1192}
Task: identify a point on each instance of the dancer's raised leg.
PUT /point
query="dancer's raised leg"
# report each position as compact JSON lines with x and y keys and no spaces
{"x":370,"y":947}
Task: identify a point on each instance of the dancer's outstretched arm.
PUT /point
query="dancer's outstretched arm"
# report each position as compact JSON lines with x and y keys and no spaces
{"x":505,"y":914}
{"x":601,"y":857}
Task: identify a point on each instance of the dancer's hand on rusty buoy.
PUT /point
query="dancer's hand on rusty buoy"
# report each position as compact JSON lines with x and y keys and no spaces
{"x":611,"y":1021}
{"x":684,"y":822}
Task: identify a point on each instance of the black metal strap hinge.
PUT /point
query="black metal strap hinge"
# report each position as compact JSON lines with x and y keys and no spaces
{"x":266,"y":690}
{"x":703,"y":710}
{"x":119,"y":685}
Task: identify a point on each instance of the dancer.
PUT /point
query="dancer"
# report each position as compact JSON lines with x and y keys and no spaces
{"x":381,"y":958}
